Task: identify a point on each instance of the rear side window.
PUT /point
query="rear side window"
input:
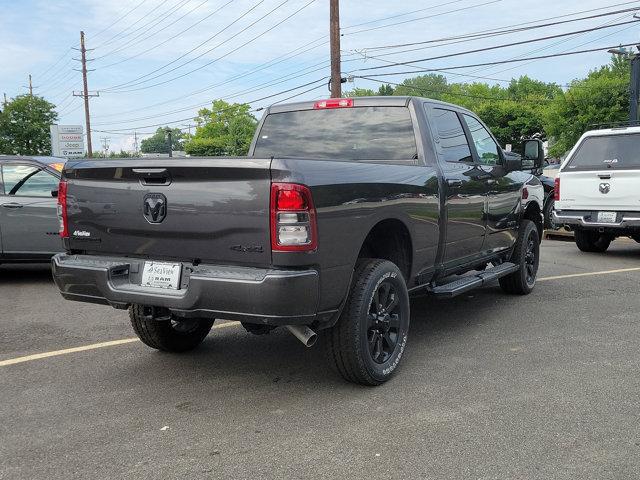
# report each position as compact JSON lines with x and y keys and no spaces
{"x":28,"y":181}
{"x":607,"y":151}
{"x":360,"y":134}
{"x":453,"y":141}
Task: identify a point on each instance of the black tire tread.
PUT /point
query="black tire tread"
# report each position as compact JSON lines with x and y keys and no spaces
{"x":159,"y":335}
{"x":591,"y":242}
{"x":342,"y":338}
{"x":514,"y":283}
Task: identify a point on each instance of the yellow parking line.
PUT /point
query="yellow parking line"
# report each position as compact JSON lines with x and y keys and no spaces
{"x":84,"y":348}
{"x":123,"y":341}
{"x":589,"y":274}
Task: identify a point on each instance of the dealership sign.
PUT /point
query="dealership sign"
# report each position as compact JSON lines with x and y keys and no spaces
{"x":67,"y":141}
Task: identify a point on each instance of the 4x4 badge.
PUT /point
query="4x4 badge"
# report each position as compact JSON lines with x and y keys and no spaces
{"x":154,"y":207}
{"x":605,"y":188}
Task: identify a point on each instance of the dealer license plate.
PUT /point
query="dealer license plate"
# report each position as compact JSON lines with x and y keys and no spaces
{"x":161,"y":275}
{"x":607,"y":217}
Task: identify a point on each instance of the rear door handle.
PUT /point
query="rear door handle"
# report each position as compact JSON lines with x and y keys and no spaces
{"x":454,"y":183}
{"x":12,"y":205}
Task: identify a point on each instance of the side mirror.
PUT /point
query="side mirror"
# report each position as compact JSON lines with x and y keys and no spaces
{"x":533,"y":157}
{"x":54,"y":193}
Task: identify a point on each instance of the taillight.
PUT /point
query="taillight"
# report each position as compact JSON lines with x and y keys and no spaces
{"x":334,"y":103}
{"x":293,"y":218}
{"x":556,"y":189}
{"x":62,"y":209}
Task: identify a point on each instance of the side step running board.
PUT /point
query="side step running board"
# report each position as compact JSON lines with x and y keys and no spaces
{"x":470,"y":282}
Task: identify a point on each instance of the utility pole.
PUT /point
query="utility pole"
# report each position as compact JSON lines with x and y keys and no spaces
{"x":105,"y":145}
{"x":169,"y":140}
{"x":634,"y":86}
{"x":334,"y":36}
{"x":85,"y":93}
{"x":135,"y":141}
{"x":5,"y":99}
{"x":30,"y":86}
{"x":634,"y":89}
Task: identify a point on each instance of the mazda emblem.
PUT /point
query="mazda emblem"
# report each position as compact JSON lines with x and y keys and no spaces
{"x":605,"y":188}
{"x":154,"y":207}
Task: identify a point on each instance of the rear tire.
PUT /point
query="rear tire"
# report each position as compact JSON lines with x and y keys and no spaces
{"x":549,"y":224}
{"x":170,"y":335}
{"x":526,"y":254}
{"x":590,"y":241}
{"x":368,"y":342}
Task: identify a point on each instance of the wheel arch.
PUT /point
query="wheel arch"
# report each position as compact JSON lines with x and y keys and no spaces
{"x":390,"y":239}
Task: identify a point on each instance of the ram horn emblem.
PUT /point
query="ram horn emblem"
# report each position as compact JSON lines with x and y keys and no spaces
{"x":605,"y":188}
{"x":154,"y":207}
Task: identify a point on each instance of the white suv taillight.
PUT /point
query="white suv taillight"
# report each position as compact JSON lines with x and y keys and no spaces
{"x":293,"y":218}
{"x":62,"y":209}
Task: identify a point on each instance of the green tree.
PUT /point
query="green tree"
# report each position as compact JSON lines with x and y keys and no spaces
{"x":429,"y":86}
{"x":24,"y":126}
{"x":385,"y":90}
{"x":602,"y":97}
{"x":225,"y":129}
{"x":159,"y":142}
{"x":359,"y":92}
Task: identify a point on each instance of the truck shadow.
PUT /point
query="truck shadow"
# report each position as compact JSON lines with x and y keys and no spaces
{"x":233,"y":358}
{"x":31,"y":273}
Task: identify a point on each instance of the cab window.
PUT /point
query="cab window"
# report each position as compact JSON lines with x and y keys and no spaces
{"x":487,"y":148}
{"x":28,"y":181}
{"x":453,"y":141}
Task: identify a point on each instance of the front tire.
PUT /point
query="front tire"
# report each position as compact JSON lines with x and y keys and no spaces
{"x":526,"y":254}
{"x":170,"y":335}
{"x":368,"y":342}
{"x":591,"y":241}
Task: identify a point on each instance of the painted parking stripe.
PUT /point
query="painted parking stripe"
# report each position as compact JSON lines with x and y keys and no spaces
{"x":84,"y":348}
{"x":589,"y":274}
{"x":124,"y":341}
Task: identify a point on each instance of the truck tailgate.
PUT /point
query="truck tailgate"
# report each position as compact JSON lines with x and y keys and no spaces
{"x":214,"y":210}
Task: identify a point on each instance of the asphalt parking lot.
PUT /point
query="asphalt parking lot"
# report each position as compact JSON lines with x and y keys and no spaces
{"x":492,"y":387}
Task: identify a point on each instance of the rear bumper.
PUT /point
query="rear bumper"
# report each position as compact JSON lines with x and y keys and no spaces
{"x":587,"y":219}
{"x":255,"y":295}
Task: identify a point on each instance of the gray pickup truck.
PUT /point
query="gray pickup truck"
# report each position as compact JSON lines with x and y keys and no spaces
{"x":342,"y":208}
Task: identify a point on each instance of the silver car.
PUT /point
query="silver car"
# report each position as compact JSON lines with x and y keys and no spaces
{"x":28,"y":217}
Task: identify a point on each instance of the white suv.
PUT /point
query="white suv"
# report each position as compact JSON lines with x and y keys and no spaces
{"x":597,"y":192}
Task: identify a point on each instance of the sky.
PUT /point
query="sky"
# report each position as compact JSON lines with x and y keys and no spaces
{"x":156,"y":62}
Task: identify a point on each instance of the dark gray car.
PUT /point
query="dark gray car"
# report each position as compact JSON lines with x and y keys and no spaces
{"x":28,"y":219}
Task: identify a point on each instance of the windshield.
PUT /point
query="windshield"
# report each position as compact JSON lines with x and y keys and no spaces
{"x":607,"y":151}
{"x":374,"y":134}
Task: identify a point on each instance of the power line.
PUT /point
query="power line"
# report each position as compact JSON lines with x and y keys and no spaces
{"x":119,"y":19}
{"x":277,"y":60}
{"x":323,"y":79}
{"x":402,"y":14}
{"x":501,"y":62}
{"x":458,"y":94}
{"x":496,"y":47}
{"x":157,"y":45}
{"x":141,"y":77}
{"x":158,"y":20}
{"x":121,"y":33}
{"x":222,"y":56}
{"x":423,"y":18}
{"x":511,"y":28}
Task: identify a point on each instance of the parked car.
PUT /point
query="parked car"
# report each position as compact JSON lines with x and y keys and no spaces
{"x":342,"y":208}
{"x":548,"y":183}
{"x":597,"y":188}
{"x":28,"y":217}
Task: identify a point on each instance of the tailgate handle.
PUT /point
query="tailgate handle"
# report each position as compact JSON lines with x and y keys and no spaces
{"x":604,"y":176}
{"x":153,"y":176}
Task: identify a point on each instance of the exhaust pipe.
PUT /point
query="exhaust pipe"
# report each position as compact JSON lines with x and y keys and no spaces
{"x":304,"y":334}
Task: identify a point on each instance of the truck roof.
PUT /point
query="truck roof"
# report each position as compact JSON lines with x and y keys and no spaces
{"x":612,"y":131}
{"x":378,"y":101}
